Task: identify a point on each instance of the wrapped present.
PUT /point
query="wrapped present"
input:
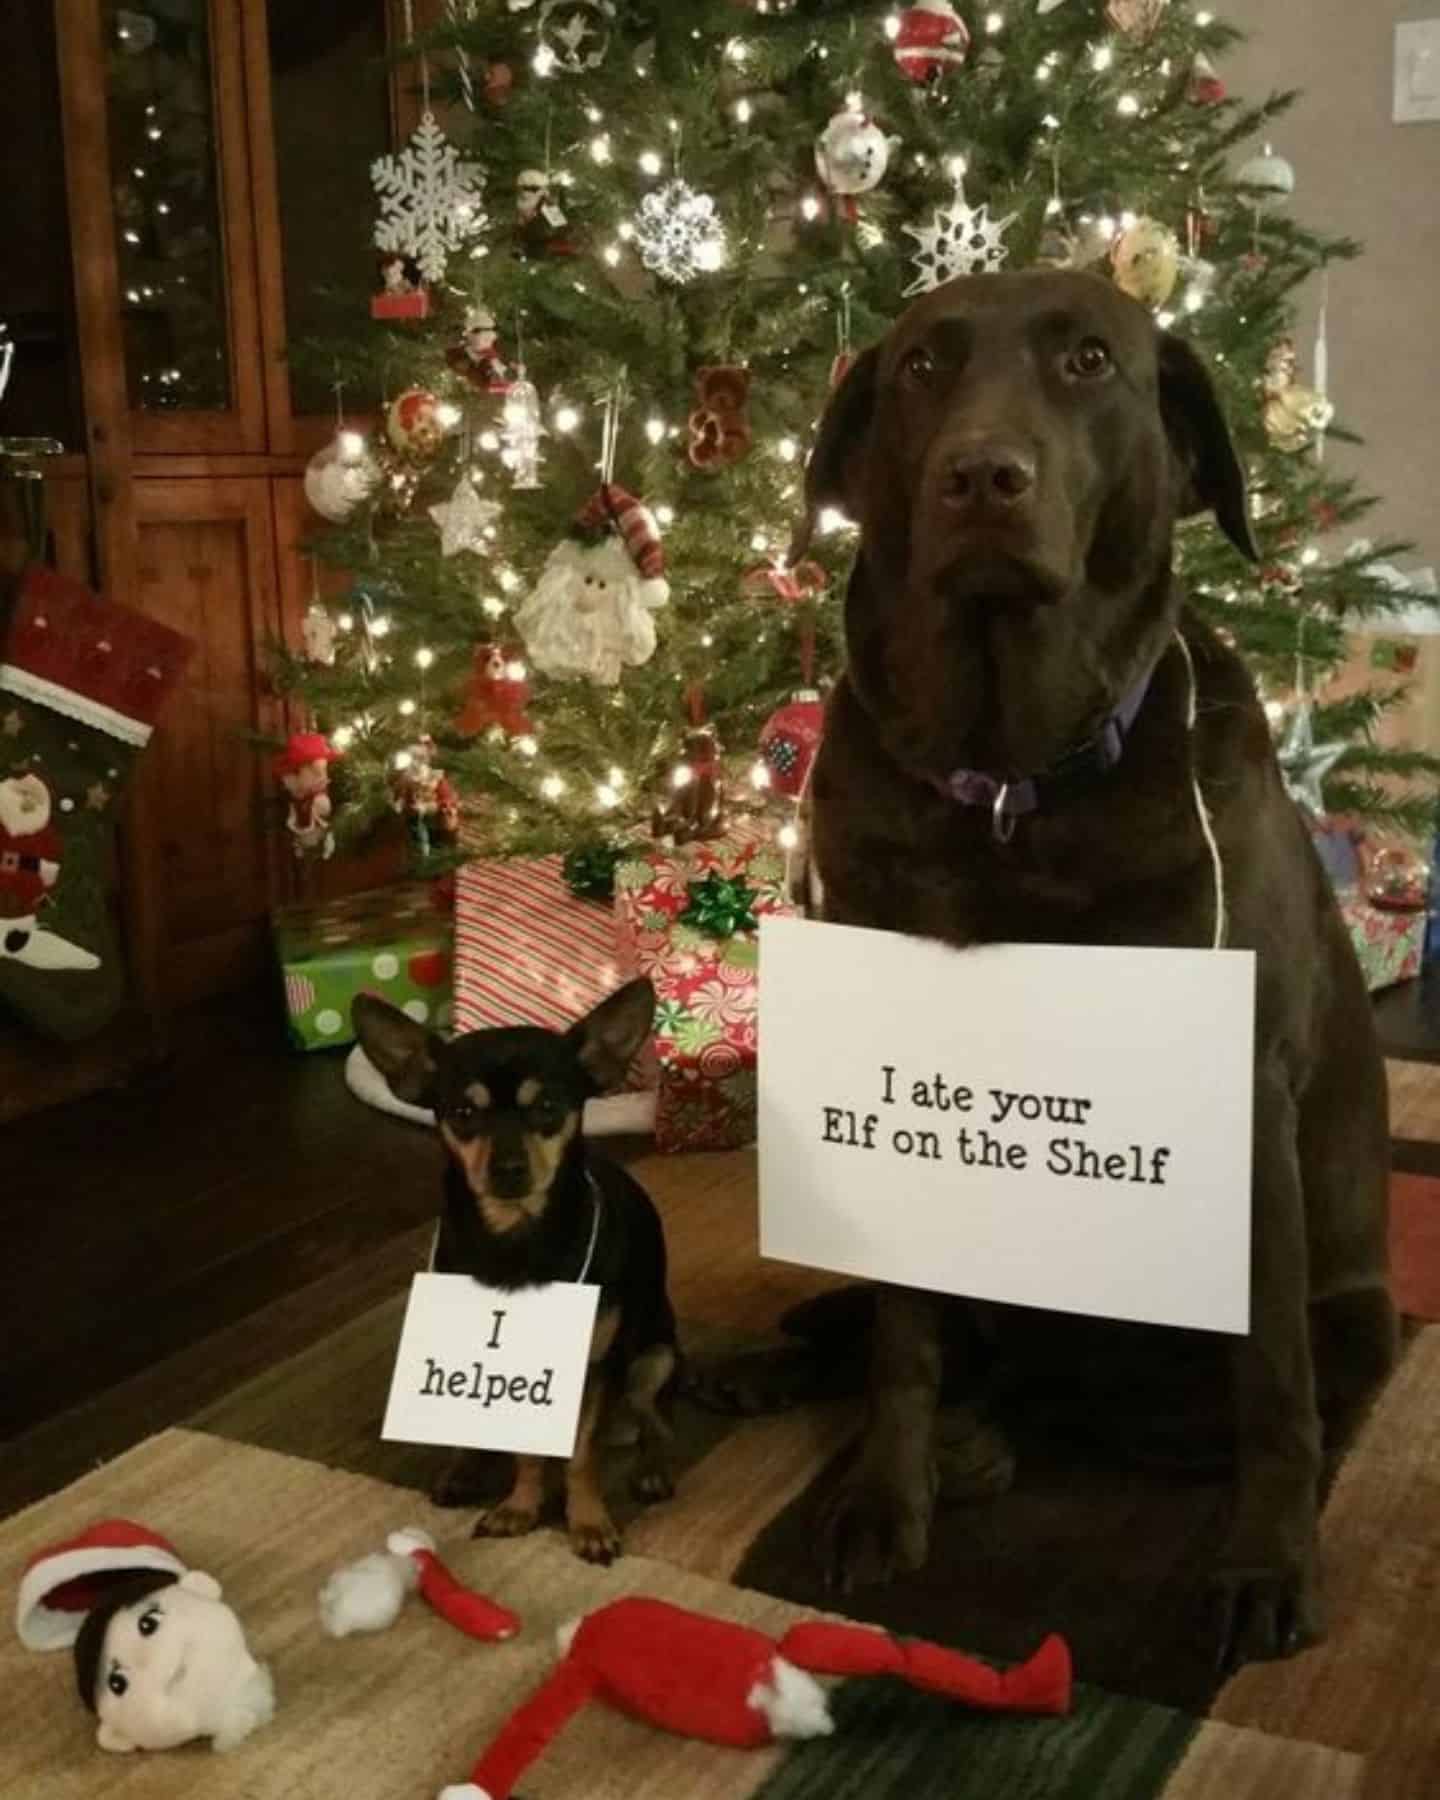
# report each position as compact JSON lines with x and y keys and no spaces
{"x":1390,"y":945}
{"x":687,"y":918}
{"x":395,"y":942}
{"x":527,"y":950}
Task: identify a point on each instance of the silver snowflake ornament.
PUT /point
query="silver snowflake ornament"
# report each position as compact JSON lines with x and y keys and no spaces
{"x":464,"y":519}
{"x":431,"y":199}
{"x":677,"y":233}
{"x":960,"y":240}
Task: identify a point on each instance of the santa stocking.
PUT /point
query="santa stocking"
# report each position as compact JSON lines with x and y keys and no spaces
{"x":80,"y":683}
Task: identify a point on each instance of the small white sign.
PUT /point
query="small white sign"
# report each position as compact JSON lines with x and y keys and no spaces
{"x":1053,"y":1126}
{"x":492,"y":1369}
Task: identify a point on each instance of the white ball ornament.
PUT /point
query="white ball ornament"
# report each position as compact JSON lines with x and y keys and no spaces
{"x":853,"y":153}
{"x":1271,"y":175}
{"x":341,"y":476}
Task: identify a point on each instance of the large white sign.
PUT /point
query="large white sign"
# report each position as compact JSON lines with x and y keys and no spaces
{"x":492,"y":1369}
{"x":1053,"y":1126}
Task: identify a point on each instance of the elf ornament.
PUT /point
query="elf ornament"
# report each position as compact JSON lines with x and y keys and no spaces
{"x":82,"y":682}
{"x":497,"y":696}
{"x":592,"y":611}
{"x":932,"y":40}
{"x":159,"y":1658}
{"x":401,"y":294}
{"x":789,"y":740}
{"x":476,"y":359}
{"x":539,"y":218}
{"x":719,"y":423}
{"x":1206,"y":88}
{"x":724,"y":1683}
{"x":303,"y":769}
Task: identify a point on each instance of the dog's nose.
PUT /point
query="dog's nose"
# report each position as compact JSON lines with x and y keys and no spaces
{"x":990,"y":476}
{"x":509,"y":1180}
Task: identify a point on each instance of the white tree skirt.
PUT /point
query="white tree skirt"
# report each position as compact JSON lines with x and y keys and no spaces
{"x":615,"y":1115}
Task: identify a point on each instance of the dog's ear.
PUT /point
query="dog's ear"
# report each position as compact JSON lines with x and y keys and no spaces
{"x":1195,"y":425}
{"x":608,"y":1038}
{"x":401,"y":1050}
{"x":831,"y":476}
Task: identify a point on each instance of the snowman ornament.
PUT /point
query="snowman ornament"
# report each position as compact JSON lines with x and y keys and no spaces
{"x":592,"y":611}
{"x":852,"y":155}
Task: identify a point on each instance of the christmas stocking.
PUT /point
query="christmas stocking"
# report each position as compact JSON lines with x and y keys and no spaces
{"x":81,"y":680}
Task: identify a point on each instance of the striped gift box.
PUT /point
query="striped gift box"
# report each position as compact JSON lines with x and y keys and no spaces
{"x":527,"y":951}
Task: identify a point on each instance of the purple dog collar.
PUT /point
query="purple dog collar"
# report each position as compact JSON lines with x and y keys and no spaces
{"x":1008,"y":800}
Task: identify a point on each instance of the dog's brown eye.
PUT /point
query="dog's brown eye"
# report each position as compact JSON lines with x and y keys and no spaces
{"x":1089,"y":359}
{"x":918,"y":364}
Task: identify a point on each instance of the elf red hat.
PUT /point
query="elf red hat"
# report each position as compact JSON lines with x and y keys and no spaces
{"x":88,"y":658}
{"x":303,"y":748}
{"x":62,"y":1583}
{"x":633,"y":520}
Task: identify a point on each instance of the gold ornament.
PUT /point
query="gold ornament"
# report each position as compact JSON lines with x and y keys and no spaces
{"x":1293,"y":412}
{"x":1146,"y":259}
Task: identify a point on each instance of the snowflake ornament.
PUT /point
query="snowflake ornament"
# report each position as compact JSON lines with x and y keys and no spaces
{"x":431,"y":199}
{"x":678,"y":234}
{"x":960,"y":240}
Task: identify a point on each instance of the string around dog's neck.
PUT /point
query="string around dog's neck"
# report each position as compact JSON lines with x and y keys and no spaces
{"x":1098,"y":754}
{"x":597,"y":1203}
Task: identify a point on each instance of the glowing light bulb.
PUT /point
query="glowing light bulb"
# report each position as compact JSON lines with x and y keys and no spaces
{"x":543,"y":62}
{"x":566,"y":419}
{"x":424,"y":659}
{"x":1101,"y":57}
{"x":492,"y":606}
{"x":994,"y":22}
{"x":787,"y":837}
{"x":681,"y":775}
{"x":1127,"y":105}
{"x":664,"y":515}
{"x":892,"y":26}
{"x":651,"y":163}
{"x":831,"y":519}
{"x":508,"y":580}
{"x":743,"y":111}
{"x":1054,"y":206}
{"x":1310,"y":556}
{"x":407,"y":709}
{"x":606,"y":796}
{"x":403,"y":759}
{"x":447,"y":415}
{"x":810,"y":207}
{"x":552,"y":787}
{"x":787,"y":449}
{"x":759,"y":541}
{"x":600,"y":149}
{"x":380,"y":627}
{"x":342,"y":737}
{"x":655,"y":430}
{"x":611,"y":253}
{"x":527,"y":746}
{"x":760,"y":776}
{"x":617,"y":776}
{"x":346,"y":621}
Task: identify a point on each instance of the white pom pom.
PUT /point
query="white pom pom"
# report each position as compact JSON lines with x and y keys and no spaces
{"x":565,"y":1635}
{"x":367,"y":1595}
{"x":655,"y":592}
{"x":793,"y":1702}
{"x":467,"y":1790}
{"x":412,"y":1538}
{"x":203,"y":1586}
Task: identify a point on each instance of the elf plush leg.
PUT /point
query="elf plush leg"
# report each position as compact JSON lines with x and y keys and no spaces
{"x":527,"y":1731}
{"x":80,"y":683}
{"x":368,"y":1595}
{"x":1041,"y":1685}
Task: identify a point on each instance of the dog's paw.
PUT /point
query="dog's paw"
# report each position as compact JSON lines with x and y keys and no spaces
{"x":1261,"y":1615}
{"x":594,"y":1540}
{"x":653,"y":1480}
{"x":506,"y":1522}
{"x":876,"y":1527}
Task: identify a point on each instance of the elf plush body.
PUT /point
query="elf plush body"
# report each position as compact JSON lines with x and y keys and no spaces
{"x":727,"y":1684}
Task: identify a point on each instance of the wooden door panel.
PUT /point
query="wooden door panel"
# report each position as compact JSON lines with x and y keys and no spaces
{"x":206,"y":566}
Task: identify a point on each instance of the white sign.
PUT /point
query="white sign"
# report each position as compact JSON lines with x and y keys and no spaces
{"x":1058,"y":1127}
{"x":492,"y":1368}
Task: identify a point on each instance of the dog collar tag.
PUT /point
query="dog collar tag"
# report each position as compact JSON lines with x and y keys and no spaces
{"x":492,"y":1368}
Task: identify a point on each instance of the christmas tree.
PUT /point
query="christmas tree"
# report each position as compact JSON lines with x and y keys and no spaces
{"x":616,"y":290}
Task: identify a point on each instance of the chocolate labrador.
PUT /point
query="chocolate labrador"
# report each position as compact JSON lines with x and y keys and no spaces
{"x":1010,"y":755}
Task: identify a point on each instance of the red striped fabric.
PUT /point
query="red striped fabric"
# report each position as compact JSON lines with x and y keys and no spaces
{"x":527,"y":952}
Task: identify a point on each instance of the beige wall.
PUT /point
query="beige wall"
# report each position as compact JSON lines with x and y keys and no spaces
{"x":1360,"y":175}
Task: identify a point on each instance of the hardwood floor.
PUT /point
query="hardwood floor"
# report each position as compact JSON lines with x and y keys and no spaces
{"x":173,"y":1239}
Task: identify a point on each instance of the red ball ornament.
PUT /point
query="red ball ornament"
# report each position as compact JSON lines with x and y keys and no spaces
{"x":932,"y":40}
{"x":789,"y":741}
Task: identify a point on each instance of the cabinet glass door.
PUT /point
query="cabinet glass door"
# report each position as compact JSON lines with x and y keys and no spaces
{"x":184,"y":238}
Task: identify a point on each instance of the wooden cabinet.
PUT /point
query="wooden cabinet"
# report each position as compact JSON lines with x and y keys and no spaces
{"x":215,"y":174}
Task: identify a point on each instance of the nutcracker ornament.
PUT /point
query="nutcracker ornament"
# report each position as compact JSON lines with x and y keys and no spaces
{"x":497,"y":696}
{"x":402,"y":293}
{"x":931,"y":42}
{"x":476,"y":358}
{"x":303,"y":769}
{"x":424,"y":797}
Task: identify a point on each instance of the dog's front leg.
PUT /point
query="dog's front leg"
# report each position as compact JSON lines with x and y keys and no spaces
{"x":879,"y":1521}
{"x":593,"y":1534}
{"x":1267,"y":1580}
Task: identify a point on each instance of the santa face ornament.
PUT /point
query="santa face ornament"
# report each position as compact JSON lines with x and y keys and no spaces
{"x":31,"y":850}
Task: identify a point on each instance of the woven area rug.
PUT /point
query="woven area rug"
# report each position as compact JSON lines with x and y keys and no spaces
{"x":382,"y":1718}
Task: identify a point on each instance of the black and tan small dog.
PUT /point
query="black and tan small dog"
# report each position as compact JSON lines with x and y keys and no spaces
{"x":527,"y":1202}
